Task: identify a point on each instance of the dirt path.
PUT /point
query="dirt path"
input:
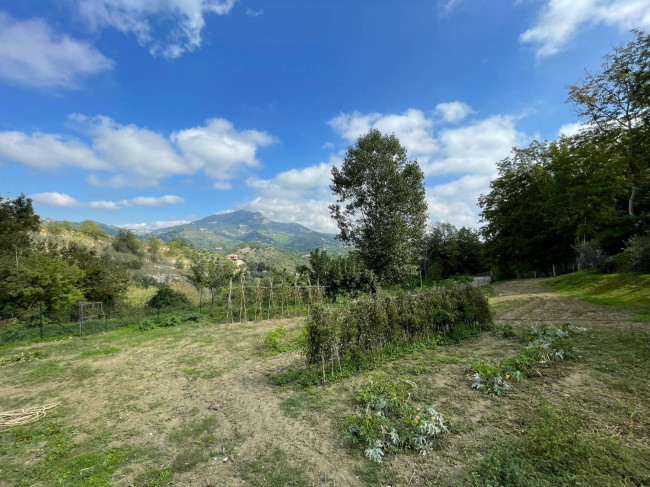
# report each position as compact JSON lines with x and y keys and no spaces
{"x":528,"y":301}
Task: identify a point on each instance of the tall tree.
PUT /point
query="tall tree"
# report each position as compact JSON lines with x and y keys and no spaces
{"x":381,"y":207}
{"x":17,"y":222}
{"x":216,"y":273}
{"x":616,"y":104}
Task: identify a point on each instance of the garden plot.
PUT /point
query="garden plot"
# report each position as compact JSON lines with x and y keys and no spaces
{"x":197,"y":405}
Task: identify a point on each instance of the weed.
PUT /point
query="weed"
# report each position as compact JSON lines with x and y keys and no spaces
{"x":27,"y":356}
{"x":295,"y":406}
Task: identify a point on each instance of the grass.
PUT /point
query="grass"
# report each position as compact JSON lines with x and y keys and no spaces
{"x":623,"y":290}
{"x":557,"y":449}
{"x":273,"y":470}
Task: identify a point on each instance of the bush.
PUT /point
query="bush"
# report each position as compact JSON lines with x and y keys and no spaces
{"x":637,"y":249}
{"x":166,"y":297}
{"x":588,"y":255}
{"x":361,"y":330}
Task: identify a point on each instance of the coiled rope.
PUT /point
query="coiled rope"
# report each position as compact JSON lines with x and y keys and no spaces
{"x":19,"y":417}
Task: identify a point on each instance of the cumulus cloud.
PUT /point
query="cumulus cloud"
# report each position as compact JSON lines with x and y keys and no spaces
{"x":296,"y":195}
{"x":412,"y":128}
{"x":32,"y":54}
{"x":559,"y":21}
{"x":454,"y":111}
{"x":148,"y":227}
{"x":570,"y":129}
{"x":61,"y":200}
{"x":474,"y":147}
{"x":104,"y":205}
{"x":137,"y":156}
{"x":469,"y":151}
{"x":47,"y":151}
{"x":253,"y":13}
{"x":167,"y":28}
{"x":147,"y":201}
{"x":456,"y":202}
{"x":219,"y":148}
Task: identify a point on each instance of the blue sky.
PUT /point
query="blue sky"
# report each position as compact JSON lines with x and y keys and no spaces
{"x":149,"y":113}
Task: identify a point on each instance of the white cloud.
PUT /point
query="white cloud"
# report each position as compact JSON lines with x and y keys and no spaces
{"x":454,"y":111}
{"x":61,"y":200}
{"x":456,"y":202}
{"x":448,"y":6}
{"x":253,"y":13}
{"x":32,"y":54}
{"x":475,"y":148}
{"x":144,"y":18}
{"x":136,"y":156}
{"x":570,"y":129}
{"x":139,"y":152}
{"x":148,"y":201}
{"x":104,"y":205}
{"x":147,"y":227}
{"x":219,"y":148}
{"x":223,"y":185}
{"x":559,"y":21}
{"x":47,"y":151}
{"x":313,"y":213}
{"x":153,"y":201}
{"x":412,"y":128}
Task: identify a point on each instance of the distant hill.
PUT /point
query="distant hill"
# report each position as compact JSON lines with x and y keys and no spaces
{"x":229,"y":230}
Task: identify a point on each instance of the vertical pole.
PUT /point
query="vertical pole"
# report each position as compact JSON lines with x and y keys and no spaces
{"x":105,"y":316}
{"x":200,"y":299}
{"x":158,"y":310}
{"x":40,"y":320}
{"x":553,"y":270}
{"x":81,"y":319}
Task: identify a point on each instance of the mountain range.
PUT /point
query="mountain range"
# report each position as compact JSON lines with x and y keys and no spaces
{"x":229,"y":231}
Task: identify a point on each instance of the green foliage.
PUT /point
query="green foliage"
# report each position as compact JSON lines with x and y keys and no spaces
{"x":364,"y":329}
{"x":91,"y":229}
{"x":381,"y":206}
{"x":272,"y":470}
{"x":588,"y":255}
{"x":389,"y":420}
{"x":637,"y":250}
{"x":340,"y":275}
{"x":561,"y":448}
{"x":17,"y":222}
{"x":126,"y":241}
{"x":166,"y":297}
{"x":448,"y":251}
{"x":545,"y":344}
{"x":149,"y":324}
{"x":26,"y":356}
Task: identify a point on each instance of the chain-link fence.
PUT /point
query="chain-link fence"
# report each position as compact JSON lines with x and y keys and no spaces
{"x":235,"y":303}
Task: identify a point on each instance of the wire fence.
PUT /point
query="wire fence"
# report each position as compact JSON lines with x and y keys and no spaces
{"x":233,"y":304}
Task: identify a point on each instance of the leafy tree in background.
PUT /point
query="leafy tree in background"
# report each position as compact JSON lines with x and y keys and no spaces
{"x":40,"y":280}
{"x":381,"y":206}
{"x":217,"y":272}
{"x":341,"y":275}
{"x":17,"y":222}
{"x":616,"y":104}
{"x":91,"y":229}
{"x":126,"y":241}
{"x":448,"y":251}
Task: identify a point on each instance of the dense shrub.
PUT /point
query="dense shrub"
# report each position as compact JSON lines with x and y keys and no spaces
{"x":355,"y":333}
{"x":166,"y":297}
{"x":638,"y":251}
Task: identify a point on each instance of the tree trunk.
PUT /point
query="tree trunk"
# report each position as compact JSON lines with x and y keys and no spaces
{"x":630,"y":205}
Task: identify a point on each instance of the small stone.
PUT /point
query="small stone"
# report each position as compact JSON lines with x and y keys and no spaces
{"x":225,"y":459}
